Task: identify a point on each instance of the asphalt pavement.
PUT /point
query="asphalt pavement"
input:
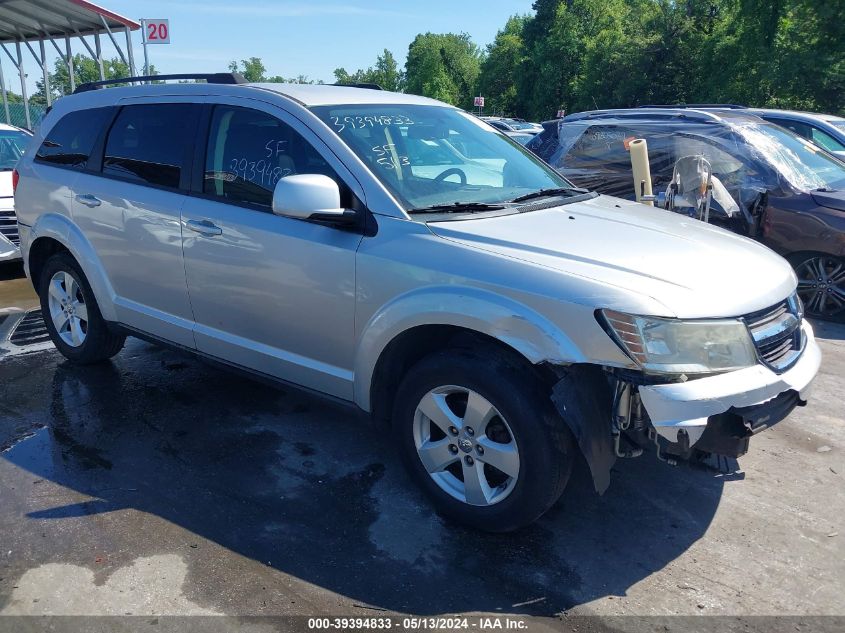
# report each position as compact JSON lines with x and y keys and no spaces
{"x":157,"y":484}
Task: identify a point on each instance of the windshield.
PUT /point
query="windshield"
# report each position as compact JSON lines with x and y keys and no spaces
{"x":839,"y":124}
{"x":12,"y":146}
{"x":803,"y":164}
{"x":432,"y":155}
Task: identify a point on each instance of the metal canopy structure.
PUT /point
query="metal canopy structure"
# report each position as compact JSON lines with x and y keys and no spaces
{"x":31,"y":24}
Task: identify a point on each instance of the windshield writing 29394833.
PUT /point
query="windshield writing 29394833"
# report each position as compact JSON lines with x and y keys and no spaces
{"x":377,"y":120}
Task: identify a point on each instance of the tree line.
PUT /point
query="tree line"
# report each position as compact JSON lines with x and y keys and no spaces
{"x":586,"y":54}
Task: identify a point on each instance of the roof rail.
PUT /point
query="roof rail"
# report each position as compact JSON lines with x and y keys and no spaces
{"x":364,"y":85}
{"x":212,"y":78}
{"x":726,"y":106}
{"x":642,"y":113}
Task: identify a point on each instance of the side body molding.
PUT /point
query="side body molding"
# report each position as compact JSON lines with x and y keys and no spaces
{"x":506,"y":320}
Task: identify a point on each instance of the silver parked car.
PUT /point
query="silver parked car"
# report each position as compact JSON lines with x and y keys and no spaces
{"x":399,"y":255}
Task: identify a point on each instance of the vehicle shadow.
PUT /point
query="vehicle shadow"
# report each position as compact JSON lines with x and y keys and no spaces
{"x":829,"y":330}
{"x":9,"y":271}
{"x":301,"y":486}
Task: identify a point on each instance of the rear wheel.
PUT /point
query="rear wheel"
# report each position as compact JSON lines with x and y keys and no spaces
{"x":821,"y":285}
{"x":480,"y":439}
{"x":71,"y":314}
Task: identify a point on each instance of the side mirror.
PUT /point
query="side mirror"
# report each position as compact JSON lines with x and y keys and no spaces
{"x":310,"y":197}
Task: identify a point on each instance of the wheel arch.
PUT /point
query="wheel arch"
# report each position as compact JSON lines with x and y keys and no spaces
{"x":54,"y":233}
{"x":432,"y":319}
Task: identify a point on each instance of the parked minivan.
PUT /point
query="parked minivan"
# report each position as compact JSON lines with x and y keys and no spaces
{"x":494,"y":327}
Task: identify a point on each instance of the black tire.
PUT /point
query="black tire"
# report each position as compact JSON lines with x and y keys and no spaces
{"x":545,"y":444}
{"x":100,"y":343}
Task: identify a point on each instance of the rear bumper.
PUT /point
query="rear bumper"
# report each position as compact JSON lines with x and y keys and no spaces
{"x":689,"y":405}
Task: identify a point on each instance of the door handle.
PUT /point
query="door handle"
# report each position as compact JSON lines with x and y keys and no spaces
{"x":88,"y":200}
{"x":204,"y":227}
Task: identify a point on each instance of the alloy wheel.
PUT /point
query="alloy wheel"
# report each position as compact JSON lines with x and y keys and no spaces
{"x":68,"y":310}
{"x":821,"y":285}
{"x":466,"y":445}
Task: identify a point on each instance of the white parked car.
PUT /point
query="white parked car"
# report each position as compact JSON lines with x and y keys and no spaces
{"x":13,"y":142}
{"x":401,"y":256}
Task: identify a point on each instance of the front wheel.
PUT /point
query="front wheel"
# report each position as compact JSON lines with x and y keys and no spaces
{"x":821,"y":285}
{"x":479,"y":437}
{"x":71,"y":314}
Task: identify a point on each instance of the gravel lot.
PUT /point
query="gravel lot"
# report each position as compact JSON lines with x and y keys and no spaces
{"x":160,"y":485}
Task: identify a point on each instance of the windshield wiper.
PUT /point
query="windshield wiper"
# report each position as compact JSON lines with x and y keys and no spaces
{"x":458,"y":207}
{"x":556,"y":191}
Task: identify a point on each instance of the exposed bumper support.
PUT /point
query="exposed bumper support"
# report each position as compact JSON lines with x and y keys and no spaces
{"x":688,"y":405}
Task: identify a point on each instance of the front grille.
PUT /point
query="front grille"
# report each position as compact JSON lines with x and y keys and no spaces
{"x":9,"y":226}
{"x":777,"y":334}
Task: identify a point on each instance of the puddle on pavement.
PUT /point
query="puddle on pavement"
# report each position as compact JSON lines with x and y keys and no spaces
{"x":15,"y":290}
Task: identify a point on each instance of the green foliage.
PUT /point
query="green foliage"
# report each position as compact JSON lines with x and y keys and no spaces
{"x":11,"y":97}
{"x":444,"y":67}
{"x":501,"y":67}
{"x":586,"y":54}
{"x":386,"y":74}
{"x":252,"y":69}
{"x":85,"y":69}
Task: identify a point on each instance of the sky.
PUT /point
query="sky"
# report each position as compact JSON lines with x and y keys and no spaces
{"x":297,"y":37}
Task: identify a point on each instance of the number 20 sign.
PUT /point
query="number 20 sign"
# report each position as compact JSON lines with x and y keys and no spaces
{"x":156,"y":31}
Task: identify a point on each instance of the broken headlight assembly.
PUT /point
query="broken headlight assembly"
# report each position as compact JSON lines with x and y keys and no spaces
{"x":672,"y":346}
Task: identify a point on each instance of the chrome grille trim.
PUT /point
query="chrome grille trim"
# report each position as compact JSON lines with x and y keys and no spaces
{"x":777,"y":334}
{"x":9,"y":226}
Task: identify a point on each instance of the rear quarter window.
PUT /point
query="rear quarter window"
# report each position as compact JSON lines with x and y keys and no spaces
{"x":70,"y":141}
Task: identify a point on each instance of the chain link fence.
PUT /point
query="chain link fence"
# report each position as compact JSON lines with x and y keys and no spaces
{"x":18,"y":114}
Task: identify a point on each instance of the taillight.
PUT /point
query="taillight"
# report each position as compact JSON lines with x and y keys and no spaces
{"x":15,"y":177}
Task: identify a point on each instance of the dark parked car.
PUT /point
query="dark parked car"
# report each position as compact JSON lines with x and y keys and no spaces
{"x":784,"y":191}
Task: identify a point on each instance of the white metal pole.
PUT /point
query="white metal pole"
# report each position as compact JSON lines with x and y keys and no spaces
{"x":130,"y":52}
{"x":144,"y":44}
{"x":23,"y":86}
{"x":45,"y":73}
{"x":70,"y":72}
{"x":99,"y":50}
{"x":3,"y":93}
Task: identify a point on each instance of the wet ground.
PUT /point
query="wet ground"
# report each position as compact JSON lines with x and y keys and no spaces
{"x":159,"y":484}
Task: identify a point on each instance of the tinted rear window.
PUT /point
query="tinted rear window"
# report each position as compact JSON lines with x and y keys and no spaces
{"x":149,"y":143}
{"x":71,"y":140}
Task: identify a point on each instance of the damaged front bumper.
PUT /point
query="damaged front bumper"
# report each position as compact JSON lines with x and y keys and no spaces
{"x":715,"y":415}
{"x":689,"y":405}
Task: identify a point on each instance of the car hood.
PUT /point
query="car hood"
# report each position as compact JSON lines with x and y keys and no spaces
{"x":695,"y":270}
{"x":830,"y":199}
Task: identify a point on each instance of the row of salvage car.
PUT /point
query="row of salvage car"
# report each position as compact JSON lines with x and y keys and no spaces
{"x":756,"y":178}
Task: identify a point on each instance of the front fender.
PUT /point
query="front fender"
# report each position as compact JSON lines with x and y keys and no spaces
{"x":506,"y":320}
{"x":64,"y":231}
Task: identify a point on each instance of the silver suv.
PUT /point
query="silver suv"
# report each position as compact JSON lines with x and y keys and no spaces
{"x":399,"y":255}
